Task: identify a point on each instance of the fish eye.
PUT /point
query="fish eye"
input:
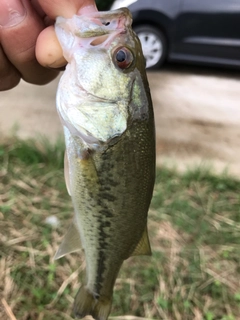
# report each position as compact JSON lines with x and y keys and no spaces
{"x":123,"y":57}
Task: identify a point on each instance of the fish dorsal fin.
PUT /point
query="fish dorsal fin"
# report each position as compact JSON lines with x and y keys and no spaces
{"x":143,"y":246}
{"x":71,"y":242}
{"x":66,"y":172}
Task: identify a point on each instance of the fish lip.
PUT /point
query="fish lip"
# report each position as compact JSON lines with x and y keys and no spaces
{"x":123,"y":15}
{"x":108,"y":22}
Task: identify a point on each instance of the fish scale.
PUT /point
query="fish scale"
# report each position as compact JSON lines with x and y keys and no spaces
{"x":114,"y":202}
{"x":110,"y":157}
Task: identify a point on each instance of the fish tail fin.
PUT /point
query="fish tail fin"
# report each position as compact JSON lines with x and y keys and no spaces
{"x":86,"y":303}
{"x":102,"y":309}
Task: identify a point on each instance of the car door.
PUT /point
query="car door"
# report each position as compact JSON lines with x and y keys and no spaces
{"x":208,"y":30}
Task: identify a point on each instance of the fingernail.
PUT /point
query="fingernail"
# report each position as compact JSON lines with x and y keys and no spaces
{"x":87,"y":9}
{"x":12,"y":12}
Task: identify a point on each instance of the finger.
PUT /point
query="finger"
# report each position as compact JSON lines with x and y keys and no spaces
{"x":66,"y":9}
{"x":48,"y":49}
{"x":18,"y":39}
{"x":46,"y":19}
{"x":9,"y":76}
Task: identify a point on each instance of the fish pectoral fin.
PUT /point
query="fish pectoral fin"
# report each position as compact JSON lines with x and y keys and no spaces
{"x":66,"y":172}
{"x":71,"y":242}
{"x":143,"y":246}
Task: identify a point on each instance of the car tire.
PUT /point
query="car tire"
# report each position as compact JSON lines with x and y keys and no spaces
{"x":154,"y":45}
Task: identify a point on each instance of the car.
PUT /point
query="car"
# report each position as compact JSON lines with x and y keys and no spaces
{"x":203,"y":32}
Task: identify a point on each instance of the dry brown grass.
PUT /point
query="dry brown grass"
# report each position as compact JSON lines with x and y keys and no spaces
{"x":194,"y":230}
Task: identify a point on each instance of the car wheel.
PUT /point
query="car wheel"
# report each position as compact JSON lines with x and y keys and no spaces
{"x":154,"y":45}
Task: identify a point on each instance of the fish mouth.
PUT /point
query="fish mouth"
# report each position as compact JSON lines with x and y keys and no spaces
{"x":112,"y":20}
{"x":98,"y":28}
{"x":105,"y":22}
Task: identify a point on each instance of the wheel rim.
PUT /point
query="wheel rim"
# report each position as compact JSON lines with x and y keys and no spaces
{"x":152,"y":48}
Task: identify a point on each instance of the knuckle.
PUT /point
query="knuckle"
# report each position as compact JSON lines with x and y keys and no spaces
{"x":9,"y":81}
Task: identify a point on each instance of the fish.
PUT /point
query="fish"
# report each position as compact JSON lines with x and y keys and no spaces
{"x":104,"y":103}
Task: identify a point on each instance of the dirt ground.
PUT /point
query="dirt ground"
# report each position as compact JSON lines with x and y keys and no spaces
{"x":197,"y":113}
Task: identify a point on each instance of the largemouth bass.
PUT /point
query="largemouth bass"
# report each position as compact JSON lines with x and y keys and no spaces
{"x":104,"y":103}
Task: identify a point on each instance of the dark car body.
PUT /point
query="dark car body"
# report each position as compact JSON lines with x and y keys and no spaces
{"x":203,"y":31}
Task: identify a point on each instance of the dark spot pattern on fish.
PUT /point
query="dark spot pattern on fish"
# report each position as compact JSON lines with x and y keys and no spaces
{"x":100,"y":270}
{"x":108,"y":196}
{"x":104,"y":225}
{"x":105,"y":188}
{"x":106,"y":212}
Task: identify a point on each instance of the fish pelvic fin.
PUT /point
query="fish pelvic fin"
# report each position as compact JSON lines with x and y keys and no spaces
{"x":143,"y":246}
{"x":71,"y":242}
{"x":86,"y":303}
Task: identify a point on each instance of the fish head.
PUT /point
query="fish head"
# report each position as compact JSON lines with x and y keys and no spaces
{"x":104,"y":52}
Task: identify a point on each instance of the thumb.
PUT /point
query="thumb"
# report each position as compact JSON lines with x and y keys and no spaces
{"x":48,"y":49}
{"x":67,"y":8}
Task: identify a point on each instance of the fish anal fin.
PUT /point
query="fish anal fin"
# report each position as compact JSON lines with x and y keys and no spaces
{"x":71,"y":242}
{"x":143,"y":246}
{"x":86,"y":303}
{"x":66,"y":172}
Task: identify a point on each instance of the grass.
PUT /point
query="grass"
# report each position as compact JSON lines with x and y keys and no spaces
{"x":194,"y":224}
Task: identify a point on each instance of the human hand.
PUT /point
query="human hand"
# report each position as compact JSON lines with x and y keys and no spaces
{"x":29,"y":49}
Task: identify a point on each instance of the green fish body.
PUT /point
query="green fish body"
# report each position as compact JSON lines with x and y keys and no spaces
{"x":105,"y":107}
